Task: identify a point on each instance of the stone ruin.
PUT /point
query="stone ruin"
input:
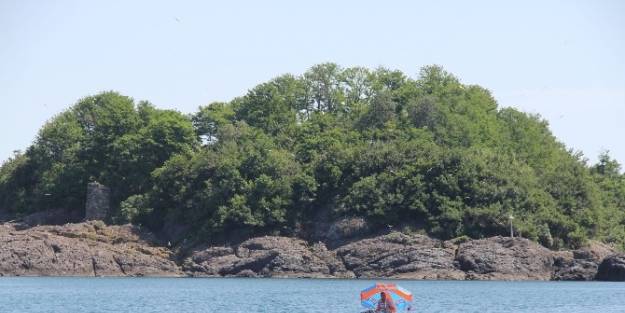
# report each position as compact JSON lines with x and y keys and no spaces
{"x":98,"y":201}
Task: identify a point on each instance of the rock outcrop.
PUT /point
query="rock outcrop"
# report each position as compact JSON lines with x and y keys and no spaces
{"x":504,"y":258}
{"x":573,"y":266}
{"x":581,"y":264}
{"x":86,"y":249}
{"x":267,"y":257}
{"x":52,"y":217}
{"x":398,"y":255}
{"x":94,"y":249}
{"x":612,"y":268}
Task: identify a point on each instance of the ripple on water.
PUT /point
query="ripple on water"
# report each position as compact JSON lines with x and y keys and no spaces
{"x":159,"y":295}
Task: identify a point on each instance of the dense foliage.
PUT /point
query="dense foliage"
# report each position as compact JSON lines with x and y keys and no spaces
{"x":428,"y":154}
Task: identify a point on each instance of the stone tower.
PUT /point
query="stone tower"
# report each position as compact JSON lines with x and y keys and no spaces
{"x":98,"y":201}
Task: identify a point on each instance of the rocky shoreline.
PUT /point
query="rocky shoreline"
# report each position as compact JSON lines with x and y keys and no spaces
{"x":95,"y":249}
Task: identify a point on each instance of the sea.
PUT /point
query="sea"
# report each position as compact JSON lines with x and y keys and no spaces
{"x":233,"y":295}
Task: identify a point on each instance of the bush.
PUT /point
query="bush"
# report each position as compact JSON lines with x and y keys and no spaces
{"x":460,"y":240}
{"x":135,"y":209}
{"x":429,"y":153}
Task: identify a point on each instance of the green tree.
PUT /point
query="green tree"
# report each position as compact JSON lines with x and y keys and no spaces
{"x":429,"y":153}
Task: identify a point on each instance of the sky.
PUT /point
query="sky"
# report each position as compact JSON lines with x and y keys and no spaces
{"x":564,"y":60}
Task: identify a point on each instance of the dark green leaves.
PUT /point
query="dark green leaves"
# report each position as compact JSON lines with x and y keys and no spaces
{"x":430,"y":154}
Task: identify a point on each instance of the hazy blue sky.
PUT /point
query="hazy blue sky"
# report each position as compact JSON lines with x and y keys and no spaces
{"x":562,"y":59}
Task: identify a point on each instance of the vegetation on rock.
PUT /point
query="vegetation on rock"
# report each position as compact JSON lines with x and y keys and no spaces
{"x":428,"y":153}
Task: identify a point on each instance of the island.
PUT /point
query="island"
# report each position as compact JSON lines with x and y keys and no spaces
{"x":335,"y":173}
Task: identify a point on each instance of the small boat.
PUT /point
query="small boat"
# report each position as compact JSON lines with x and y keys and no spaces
{"x":386,"y":298}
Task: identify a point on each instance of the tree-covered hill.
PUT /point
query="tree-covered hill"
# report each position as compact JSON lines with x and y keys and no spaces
{"x":427,"y":154}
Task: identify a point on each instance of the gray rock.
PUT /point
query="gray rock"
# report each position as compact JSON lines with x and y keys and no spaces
{"x":581,"y":264}
{"x":52,"y":217}
{"x":95,"y":249}
{"x":269,"y":256}
{"x":578,"y":269}
{"x":86,"y":249}
{"x":612,"y":268}
{"x":347,"y":228}
{"x":504,"y":258}
{"x":398,"y":255}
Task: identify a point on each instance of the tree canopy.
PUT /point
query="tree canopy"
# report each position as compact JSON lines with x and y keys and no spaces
{"x":427,"y":154}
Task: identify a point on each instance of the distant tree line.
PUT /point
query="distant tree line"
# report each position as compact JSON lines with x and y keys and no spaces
{"x":428,"y":154}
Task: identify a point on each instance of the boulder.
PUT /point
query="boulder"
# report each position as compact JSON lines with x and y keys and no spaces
{"x":576,"y":265}
{"x":270,"y":256}
{"x":398,"y":255}
{"x":347,"y":228}
{"x":612,"y":268}
{"x":581,"y":264}
{"x":504,"y":258}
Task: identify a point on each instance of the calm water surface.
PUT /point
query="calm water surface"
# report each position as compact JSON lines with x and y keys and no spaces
{"x":77,"y":295}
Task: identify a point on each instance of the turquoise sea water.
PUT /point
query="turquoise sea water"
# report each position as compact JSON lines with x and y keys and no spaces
{"x":77,"y":295}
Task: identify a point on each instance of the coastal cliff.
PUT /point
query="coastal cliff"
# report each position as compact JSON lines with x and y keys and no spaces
{"x":95,"y":249}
